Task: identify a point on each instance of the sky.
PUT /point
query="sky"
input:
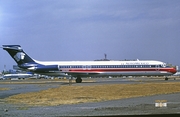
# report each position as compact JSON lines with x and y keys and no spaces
{"x":84,"y":30}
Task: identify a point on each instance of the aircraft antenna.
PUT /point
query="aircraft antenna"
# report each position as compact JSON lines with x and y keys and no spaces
{"x":105,"y":55}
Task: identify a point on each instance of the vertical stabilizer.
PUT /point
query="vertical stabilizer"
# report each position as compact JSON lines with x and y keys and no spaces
{"x":18,"y":54}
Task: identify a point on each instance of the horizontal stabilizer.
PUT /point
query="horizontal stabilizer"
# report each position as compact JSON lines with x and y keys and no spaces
{"x":12,"y":47}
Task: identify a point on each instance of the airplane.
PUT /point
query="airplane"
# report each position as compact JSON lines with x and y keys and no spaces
{"x":80,"y":69}
{"x":177,"y":74}
{"x":1,"y":78}
{"x":18,"y":75}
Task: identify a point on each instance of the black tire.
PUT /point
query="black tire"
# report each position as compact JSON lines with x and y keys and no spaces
{"x":78,"y":80}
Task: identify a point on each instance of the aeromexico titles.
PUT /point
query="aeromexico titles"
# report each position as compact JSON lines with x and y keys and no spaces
{"x":80,"y":69}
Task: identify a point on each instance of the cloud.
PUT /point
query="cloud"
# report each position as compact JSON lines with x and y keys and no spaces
{"x":69,"y":29}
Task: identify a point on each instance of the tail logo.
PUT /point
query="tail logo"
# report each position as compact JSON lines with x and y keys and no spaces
{"x":19,"y":56}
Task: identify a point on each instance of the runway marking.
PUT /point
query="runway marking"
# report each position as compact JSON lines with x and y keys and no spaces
{"x":161,"y":103}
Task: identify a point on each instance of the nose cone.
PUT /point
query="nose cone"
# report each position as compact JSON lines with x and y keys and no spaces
{"x":173,"y":70}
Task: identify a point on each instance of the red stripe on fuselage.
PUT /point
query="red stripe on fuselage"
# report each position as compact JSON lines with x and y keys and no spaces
{"x":172,"y":70}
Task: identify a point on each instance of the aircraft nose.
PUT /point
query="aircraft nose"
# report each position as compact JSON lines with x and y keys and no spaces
{"x":174,"y":70}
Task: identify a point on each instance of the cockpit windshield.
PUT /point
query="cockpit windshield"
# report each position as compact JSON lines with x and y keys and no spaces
{"x":163,"y":65}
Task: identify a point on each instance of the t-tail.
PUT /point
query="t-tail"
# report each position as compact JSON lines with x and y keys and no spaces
{"x":18,"y":54}
{"x":25,"y":62}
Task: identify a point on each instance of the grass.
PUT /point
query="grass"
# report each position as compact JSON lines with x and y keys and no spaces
{"x":83,"y":94}
{"x":23,"y":108}
{"x":2,"y":89}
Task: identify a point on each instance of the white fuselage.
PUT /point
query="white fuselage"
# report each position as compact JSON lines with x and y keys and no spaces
{"x":108,"y":68}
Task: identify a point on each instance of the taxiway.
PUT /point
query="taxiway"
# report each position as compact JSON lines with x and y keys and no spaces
{"x":131,"y":106}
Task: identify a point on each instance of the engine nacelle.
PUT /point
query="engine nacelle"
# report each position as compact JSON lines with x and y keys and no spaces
{"x":44,"y":68}
{"x":39,"y":67}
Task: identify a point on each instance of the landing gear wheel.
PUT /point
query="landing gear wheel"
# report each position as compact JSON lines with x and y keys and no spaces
{"x":78,"y":80}
{"x":166,"y":78}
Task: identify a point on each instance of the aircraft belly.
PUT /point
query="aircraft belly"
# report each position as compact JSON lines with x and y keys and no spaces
{"x":136,"y":73}
{"x":124,"y":73}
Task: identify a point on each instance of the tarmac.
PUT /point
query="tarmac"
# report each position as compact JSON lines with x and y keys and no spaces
{"x":149,"y":105}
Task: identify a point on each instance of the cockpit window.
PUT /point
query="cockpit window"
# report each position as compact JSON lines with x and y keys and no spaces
{"x":163,"y":65}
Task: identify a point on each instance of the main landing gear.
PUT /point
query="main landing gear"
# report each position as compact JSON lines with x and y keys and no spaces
{"x":166,"y":78}
{"x":78,"y":80}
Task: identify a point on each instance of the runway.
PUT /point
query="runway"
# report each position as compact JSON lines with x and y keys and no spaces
{"x":131,"y":106}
